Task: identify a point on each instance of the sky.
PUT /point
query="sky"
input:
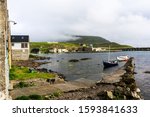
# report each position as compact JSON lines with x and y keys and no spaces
{"x":122,"y":21}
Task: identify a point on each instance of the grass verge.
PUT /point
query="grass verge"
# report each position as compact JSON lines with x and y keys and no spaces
{"x":23,"y":73}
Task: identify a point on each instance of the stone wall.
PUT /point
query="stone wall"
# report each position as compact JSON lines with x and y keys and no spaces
{"x":4,"y":70}
{"x":20,"y":54}
{"x":126,"y":87}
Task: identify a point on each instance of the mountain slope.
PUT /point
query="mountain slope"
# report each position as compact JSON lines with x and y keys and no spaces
{"x":97,"y":42}
{"x":89,"y":40}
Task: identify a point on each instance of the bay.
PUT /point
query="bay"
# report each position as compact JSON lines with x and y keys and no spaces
{"x":92,"y":68}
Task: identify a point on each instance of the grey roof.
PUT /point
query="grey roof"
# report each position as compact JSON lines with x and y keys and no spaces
{"x":19,"y":38}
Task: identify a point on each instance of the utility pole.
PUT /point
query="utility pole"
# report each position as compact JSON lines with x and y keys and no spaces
{"x":4,"y":39}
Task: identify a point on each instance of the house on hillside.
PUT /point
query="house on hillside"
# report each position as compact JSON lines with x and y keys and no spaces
{"x":20,"y":47}
{"x":57,"y":50}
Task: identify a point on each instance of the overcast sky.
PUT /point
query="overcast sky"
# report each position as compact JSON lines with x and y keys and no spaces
{"x":122,"y":21}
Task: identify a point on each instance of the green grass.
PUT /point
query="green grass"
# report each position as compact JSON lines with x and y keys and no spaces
{"x":30,"y":97}
{"x":23,"y":73}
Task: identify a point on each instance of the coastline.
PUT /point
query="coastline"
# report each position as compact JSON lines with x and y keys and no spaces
{"x":115,"y":86}
{"x":119,"y":85}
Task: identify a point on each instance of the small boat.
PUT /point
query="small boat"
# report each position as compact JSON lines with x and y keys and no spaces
{"x":108,"y":64}
{"x":122,"y":58}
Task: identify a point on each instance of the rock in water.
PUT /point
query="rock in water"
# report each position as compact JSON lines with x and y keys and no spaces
{"x":73,"y":60}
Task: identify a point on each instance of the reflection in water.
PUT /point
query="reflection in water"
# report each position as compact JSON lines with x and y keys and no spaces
{"x":92,"y":69}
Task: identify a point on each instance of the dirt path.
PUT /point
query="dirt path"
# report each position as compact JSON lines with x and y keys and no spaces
{"x":46,"y":88}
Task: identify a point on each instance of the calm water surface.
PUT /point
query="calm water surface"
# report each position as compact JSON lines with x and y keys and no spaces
{"x":92,"y":69}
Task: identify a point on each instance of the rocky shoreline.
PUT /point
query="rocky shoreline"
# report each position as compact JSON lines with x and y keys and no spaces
{"x":120,"y":85}
{"x":31,"y":62}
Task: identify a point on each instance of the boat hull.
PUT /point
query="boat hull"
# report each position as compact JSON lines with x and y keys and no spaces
{"x":110,"y":64}
{"x":122,"y":58}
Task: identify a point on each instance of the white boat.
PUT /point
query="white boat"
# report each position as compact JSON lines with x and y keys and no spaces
{"x":122,"y":58}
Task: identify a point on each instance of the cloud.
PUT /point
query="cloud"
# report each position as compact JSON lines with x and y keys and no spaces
{"x":123,"y":21}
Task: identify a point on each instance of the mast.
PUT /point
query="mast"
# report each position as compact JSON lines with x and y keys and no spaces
{"x":109,"y":54}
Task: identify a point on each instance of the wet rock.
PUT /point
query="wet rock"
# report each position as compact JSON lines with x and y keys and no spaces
{"x":128,"y":75}
{"x":61,"y":76}
{"x":74,"y":60}
{"x":43,"y":70}
{"x":128,"y":80}
{"x":36,"y":57}
{"x":50,"y":71}
{"x":129,"y":69}
{"x":121,"y":84}
{"x":147,"y":72}
{"x":105,"y":95}
{"x":132,"y":86}
{"x":102,"y":95}
{"x":85,"y":58}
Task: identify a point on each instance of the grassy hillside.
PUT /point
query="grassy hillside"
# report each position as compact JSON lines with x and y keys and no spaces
{"x":97,"y":42}
{"x":23,"y":73}
{"x":88,"y":40}
{"x":74,"y":44}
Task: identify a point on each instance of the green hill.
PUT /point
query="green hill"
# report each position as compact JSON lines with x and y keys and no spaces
{"x":88,"y":40}
{"x":97,"y":42}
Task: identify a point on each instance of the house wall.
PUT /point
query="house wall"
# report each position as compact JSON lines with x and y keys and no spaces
{"x":16,"y":46}
{"x":19,"y":53}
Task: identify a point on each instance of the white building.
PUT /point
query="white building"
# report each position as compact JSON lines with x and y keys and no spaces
{"x":98,"y":49}
{"x":56,"y":50}
{"x":20,"y":47}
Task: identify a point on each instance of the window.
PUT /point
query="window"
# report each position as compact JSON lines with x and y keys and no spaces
{"x":24,"y":45}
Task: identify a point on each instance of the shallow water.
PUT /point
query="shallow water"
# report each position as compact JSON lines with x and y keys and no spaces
{"x":92,"y":69}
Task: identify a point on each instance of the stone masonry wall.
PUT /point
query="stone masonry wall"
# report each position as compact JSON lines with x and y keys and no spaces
{"x":3,"y":48}
{"x":20,"y":54}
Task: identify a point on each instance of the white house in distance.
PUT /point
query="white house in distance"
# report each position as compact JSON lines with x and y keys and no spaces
{"x":20,"y":47}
